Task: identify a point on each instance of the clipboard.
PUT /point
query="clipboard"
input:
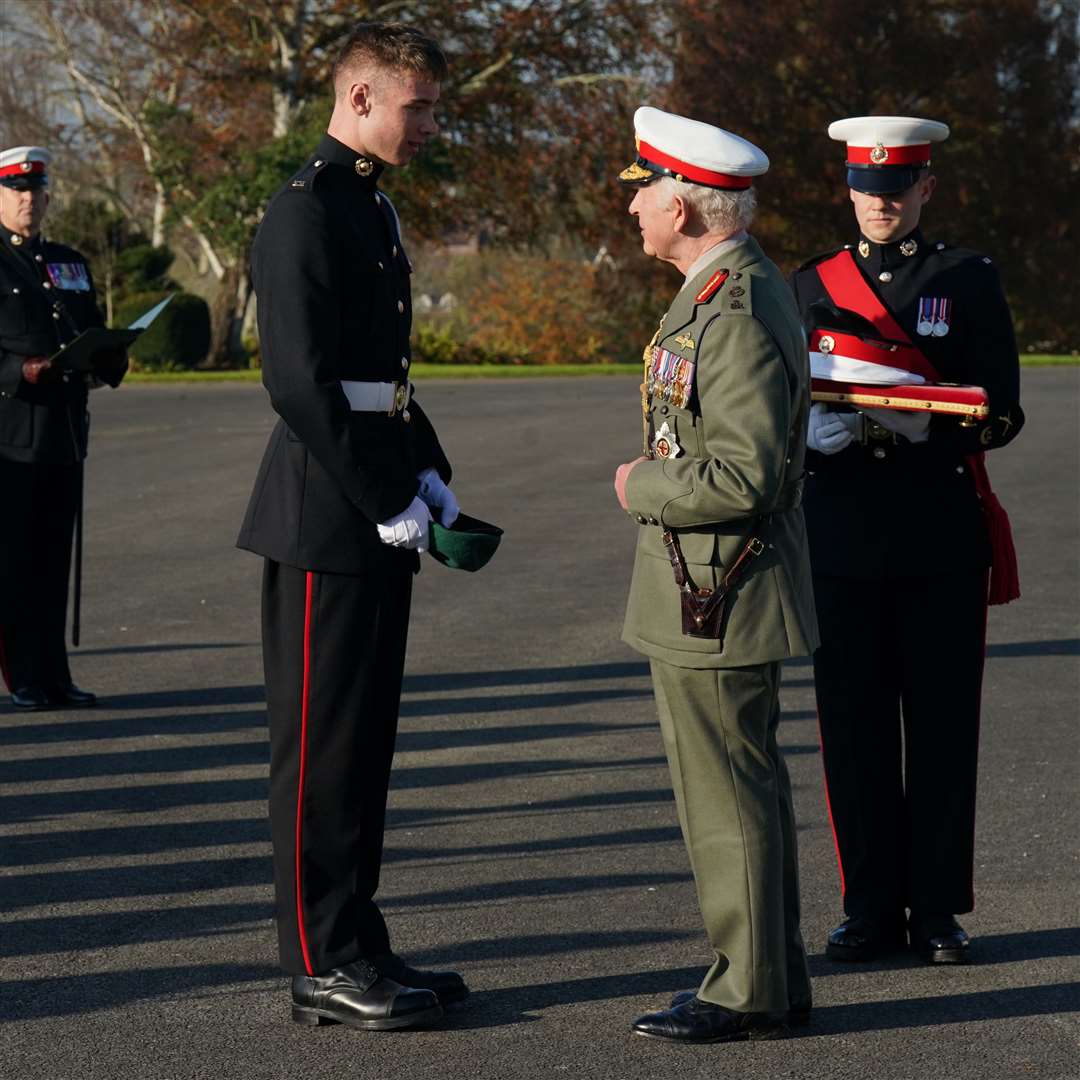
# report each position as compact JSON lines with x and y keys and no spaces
{"x":94,"y":350}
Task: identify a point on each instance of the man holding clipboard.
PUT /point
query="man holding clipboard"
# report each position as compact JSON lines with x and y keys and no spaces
{"x":47,"y":302}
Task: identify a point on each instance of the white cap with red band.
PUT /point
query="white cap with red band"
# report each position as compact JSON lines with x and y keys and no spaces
{"x":885,"y":153}
{"x":24,"y":163}
{"x":691,"y":151}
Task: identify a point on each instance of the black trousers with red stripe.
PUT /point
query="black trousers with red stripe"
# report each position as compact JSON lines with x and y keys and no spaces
{"x":333,"y":654}
{"x":40,"y":502}
{"x":898,"y":678}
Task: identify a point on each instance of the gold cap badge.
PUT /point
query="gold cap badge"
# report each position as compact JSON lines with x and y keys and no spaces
{"x":879,"y":155}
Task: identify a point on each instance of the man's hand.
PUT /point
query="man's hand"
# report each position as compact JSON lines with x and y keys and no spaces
{"x":409,"y":529}
{"x":439,"y":497}
{"x":829,"y":432}
{"x":622,"y":473}
{"x":39,"y":369}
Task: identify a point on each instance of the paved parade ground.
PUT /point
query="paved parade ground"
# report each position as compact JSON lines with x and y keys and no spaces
{"x":532,"y":838}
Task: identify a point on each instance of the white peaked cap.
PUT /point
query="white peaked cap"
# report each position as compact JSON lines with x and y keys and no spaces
{"x":692,"y":151}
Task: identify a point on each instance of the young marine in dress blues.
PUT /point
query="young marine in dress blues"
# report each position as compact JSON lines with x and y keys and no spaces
{"x":904,"y":533}
{"x":348,"y":486}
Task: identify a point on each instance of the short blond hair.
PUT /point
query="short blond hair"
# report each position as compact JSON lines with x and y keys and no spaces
{"x":393,"y":47}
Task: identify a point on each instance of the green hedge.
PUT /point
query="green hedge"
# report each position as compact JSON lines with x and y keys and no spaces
{"x":179,"y":338}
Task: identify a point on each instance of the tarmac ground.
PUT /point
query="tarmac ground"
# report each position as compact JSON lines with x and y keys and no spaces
{"x":532,"y":840}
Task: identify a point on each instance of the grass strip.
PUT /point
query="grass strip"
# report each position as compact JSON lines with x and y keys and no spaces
{"x":494,"y":371}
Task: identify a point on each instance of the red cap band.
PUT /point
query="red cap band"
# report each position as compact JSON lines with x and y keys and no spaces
{"x":692,"y":172}
{"x":21,"y":170}
{"x":889,"y":155}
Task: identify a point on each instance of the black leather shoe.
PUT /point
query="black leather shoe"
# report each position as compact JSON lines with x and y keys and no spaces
{"x":862,"y":938}
{"x":698,"y":1021}
{"x":798,"y":1014}
{"x":448,"y":986}
{"x":939,"y":939}
{"x":358,"y":996}
{"x":71,"y":697}
{"x":30,"y":698}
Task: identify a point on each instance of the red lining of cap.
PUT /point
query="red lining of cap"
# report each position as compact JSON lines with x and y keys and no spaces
{"x":692,"y":172}
{"x":898,"y":155}
{"x":18,"y":170}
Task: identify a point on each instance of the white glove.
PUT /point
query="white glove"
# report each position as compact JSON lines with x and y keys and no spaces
{"x":830,"y":432}
{"x":914,"y":426}
{"x":438,"y":496}
{"x":409,"y":529}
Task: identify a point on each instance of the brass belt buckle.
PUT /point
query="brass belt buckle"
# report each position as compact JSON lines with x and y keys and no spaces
{"x":401,"y":397}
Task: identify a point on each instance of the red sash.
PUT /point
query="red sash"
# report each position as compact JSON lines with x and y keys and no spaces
{"x":848,"y":289}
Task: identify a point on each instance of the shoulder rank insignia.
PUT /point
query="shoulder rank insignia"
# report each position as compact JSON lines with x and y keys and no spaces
{"x":664,"y":444}
{"x":711,"y":286}
{"x":685,"y":340}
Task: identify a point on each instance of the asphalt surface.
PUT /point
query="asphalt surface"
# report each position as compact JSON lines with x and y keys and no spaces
{"x":532,"y":839}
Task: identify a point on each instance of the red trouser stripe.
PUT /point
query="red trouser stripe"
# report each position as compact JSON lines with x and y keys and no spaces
{"x":3,"y":662}
{"x":300,"y":782}
{"x":828,"y":809}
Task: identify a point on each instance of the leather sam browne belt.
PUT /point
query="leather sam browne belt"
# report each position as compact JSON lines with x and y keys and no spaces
{"x":381,"y":397}
{"x":703,"y":607}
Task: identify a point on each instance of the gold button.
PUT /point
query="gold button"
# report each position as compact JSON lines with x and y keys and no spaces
{"x":377,"y":199}
{"x":878,"y":452}
{"x":46,"y":285}
{"x":41,"y":258}
{"x":15,"y":291}
{"x":394,"y":250}
{"x":401,"y":307}
{"x":885,"y":276}
{"x":381,"y":267}
{"x":404,"y":361}
{"x":405,"y":416}
{"x":318,"y":162}
{"x":56,"y":314}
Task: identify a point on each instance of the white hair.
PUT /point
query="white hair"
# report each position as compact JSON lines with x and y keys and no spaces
{"x":720,"y":210}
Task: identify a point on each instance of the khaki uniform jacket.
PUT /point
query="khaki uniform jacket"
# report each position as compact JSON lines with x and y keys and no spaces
{"x":742,"y":440}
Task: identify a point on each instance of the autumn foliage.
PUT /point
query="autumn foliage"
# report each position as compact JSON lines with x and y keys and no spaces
{"x":183,"y":116}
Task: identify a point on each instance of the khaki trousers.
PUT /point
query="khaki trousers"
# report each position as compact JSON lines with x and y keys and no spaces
{"x":733,"y":797}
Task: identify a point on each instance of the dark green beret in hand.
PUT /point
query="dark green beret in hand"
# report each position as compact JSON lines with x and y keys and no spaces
{"x":468,"y":544}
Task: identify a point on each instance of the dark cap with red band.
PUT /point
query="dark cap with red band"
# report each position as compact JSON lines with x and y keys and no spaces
{"x":886,"y":154}
{"x":690,"y":151}
{"x":24,"y":167}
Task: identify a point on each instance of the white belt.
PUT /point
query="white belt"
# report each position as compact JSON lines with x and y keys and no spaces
{"x":383,"y":397}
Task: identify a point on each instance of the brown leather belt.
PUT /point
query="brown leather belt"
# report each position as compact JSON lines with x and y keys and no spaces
{"x":703,"y":607}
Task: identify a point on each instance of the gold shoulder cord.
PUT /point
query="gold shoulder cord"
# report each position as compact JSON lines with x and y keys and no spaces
{"x":647,"y":356}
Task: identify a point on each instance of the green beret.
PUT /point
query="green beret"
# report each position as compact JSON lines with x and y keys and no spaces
{"x":467,"y":545}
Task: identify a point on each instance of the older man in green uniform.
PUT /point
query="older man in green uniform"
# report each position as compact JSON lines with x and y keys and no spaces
{"x":721,"y":590}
